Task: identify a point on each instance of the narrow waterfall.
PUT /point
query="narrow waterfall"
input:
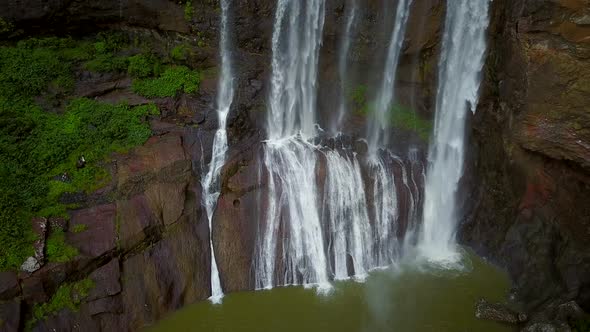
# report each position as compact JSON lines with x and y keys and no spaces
{"x":343,"y":61}
{"x":211,"y":183}
{"x":291,"y":248}
{"x":376,"y":131}
{"x":463,"y":51}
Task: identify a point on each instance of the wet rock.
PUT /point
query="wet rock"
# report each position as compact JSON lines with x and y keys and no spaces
{"x":498,"y":312}
{"x":546,"y":327}
{"x":106,"y":281}
{"x":40,"y":231}
{"x":9,"y":286}
{"x":66,"y":320}
{"x":111,"y":304}
{"x":168,"y":274}
{"x":98,"y":237}
{"x":10,"y":313}
{"x":33,"y":290}
{"x":234,"y":221}
{"x":58,"y":223}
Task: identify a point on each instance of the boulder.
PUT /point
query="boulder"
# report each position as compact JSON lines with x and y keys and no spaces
{"x":498,"y":312}
{"x":30,"y":265}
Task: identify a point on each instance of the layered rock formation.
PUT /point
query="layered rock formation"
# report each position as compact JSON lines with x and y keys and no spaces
{"x":530,"y":151}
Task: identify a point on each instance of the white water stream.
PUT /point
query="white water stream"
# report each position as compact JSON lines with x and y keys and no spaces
{"x":462,"y":58}
{"x":211,"y":182}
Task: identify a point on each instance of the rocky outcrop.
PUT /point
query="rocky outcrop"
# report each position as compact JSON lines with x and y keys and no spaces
{"x":530,"y":148}
{"x":498,"y":312}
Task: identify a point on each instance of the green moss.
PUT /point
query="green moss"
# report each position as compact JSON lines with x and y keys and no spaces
{"x":405,"y":118}
{"x":180,"y":52}
{"x":36,"y":146}
{"x":58,"y":250}
{"x":79,"y":228}
{"x":105,"y":63}
{"x":399,"y":116}
{"x":171,"y":81}
{"x":67,"y":296}
{"x":142,"y":66}
{"x":188,"y":10}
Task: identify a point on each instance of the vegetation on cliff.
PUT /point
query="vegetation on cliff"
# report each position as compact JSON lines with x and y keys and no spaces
{"x":399,"y":116}
{"x":52,"y":142}
{"x":68,"y":296}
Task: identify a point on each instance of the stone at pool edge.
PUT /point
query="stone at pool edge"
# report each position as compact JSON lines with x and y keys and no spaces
{"x":498,"y":313}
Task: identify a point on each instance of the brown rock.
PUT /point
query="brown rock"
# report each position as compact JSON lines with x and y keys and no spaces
{"x":134,"y":218}
{"x":111,"y":304}
{"x":167,"y":275}
{"x":40,"y":231}
{"x":10,"y":313}
{"x":99,"y":236}
{"x":156,"y":154}
{"x":235,"y":221}
{"x":9,"y":286}
{"x":106,"y":280}
{"x":33,"y":290}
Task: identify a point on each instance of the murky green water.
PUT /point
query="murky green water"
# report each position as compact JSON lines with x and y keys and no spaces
{"x":409,"y":298}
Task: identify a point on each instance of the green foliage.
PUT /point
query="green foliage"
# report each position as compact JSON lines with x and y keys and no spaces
{"x":142,"y":66}
{"x":25,"y":71}
{"x":58,"y":250}
{"x":180,"y":52}
{"x":407,"y":119}
{"x":5,"y":26}
{"x":106,"y":63}
{"x":36,"y":146}
{"x":170,"y":82}
{"x":67,"y":296}
{"x":79,"y":228}
{"x":188,"y":10}
{"x":398,"y":115}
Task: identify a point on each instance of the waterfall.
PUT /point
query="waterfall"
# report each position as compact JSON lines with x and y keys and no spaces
{"x":377,"y":135}
{"x":211,"y":183}
{"x":463,"y":52}
{"x":296,"y":42}
{"x":343,"y":62}
{"x":346,"y":206}
{"x":386,"y":212}
{"x":291,"y":246}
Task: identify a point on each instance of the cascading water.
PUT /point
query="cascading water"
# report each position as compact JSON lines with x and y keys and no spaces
{"x":316,"y":231}
{"x":346,"y":210}
{"x":293,"y":229}
{"x":211,"y":184}
{"x":463,"y":51}
{"x":343,"y":61}
{"x":377,"y":134}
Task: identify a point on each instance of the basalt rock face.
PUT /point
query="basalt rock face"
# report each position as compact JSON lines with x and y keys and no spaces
{"x":531,"y":151}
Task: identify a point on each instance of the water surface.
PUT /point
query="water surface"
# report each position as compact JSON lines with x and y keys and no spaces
{"x":411,"y":297}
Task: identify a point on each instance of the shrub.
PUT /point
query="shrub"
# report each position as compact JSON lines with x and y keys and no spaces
{"x":57,"y":249}
{"x":142,"y":66}
{"x":67,"y":296}
{"x":180,"y":52}
{"x":36,"y":146}
{"x":170,"y":82}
